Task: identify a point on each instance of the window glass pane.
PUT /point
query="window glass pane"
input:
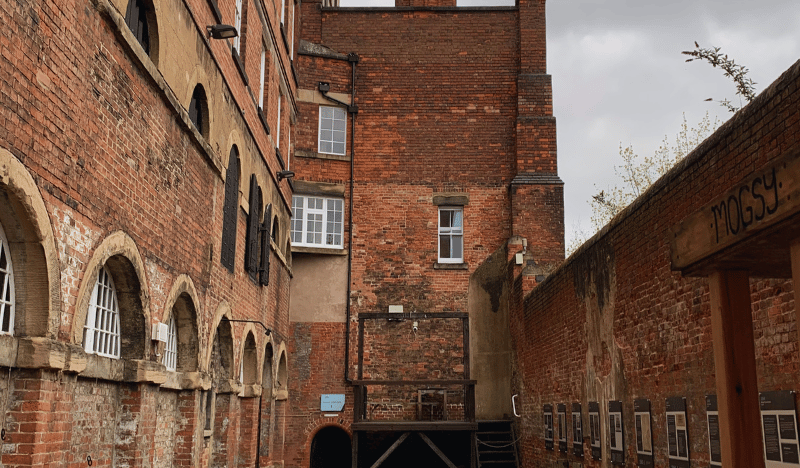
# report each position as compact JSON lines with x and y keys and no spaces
{"x":102,"y":321}
{"x":327,"y":112}
{"x":444,"y":246}
{"x":457,"y":215}
{"x":457,"y":247}
{"x":326,"y":135}
{"x":338,"y":148}
{"x":339,"y":126}
{"x":444,"y":218}
{"x":6,"y":311}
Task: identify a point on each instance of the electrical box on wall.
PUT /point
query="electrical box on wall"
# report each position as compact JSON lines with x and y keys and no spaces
{"x":395,"y":309}
{"x":160,"y":332}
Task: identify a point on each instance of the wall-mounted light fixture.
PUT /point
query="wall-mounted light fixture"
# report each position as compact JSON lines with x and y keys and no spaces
{"x":285,"y":175}
{"x":221,"y":31}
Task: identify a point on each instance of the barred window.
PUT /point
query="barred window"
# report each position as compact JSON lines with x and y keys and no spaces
{"x":171,"y":349}
{"x":101,"y":333}
{"x":6,"y":288}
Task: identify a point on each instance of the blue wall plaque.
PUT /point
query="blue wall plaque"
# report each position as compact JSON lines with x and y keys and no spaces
{"x":332,"y":402}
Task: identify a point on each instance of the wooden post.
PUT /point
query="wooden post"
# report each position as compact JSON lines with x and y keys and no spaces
{"x":735,"y":364}
{"x":354,"y":457}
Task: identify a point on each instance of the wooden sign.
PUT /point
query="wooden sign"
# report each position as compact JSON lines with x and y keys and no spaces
{"x":547,"y":410}
{"x":594,"y":430}
{"x":753,"y":205}
{"x":616,"y":433}
{"x":779,"y":426}
{"x":677,"y":433}
{"x":714,"y":443}
{"x":644,"y":434}
{"x":562,"y":427}
{"x":577,"y":430}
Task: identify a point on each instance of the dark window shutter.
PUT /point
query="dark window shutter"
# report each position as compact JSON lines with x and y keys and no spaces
{"x":264,"y":269}
{"x":251,"y":249}
{"x":228,"y":251}
{"x":136,"y":19}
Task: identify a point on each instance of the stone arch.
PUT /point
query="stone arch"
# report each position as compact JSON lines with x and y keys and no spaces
{"x":267,"y":395}
{"x":267,"y":370}
{"x":32,"y":248}
{"x":118,"y":252}
{"x":144,"y":13}
{"x":249,"y":360}
{"x":199,"y":110}
{"x":282,"y":375}
{"x":182,"y":305}
{"x":222,"y":338}
{"x":330,"y":447}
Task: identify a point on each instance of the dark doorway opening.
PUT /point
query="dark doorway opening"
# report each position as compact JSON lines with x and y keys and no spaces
{"x":331,"y":449}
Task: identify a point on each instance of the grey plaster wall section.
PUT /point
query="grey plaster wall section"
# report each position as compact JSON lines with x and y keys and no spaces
{"x":318,"y":288}
{"x":490,"y":338}
{"x":596,"y":285}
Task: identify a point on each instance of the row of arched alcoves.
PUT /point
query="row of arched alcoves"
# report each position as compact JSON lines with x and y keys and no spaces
{"x":104,"y":332}
{"x":114,"y":289}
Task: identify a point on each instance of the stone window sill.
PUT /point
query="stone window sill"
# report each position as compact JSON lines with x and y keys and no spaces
{"x":450,"y":266}
{"x":318,"y":250}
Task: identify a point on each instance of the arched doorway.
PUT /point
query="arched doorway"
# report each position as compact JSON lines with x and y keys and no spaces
{"x":331,"y":449}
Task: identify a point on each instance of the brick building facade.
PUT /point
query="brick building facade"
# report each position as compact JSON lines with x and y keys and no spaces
{"x":630,"y":317}
{"x":150,"y":232}
{"x":144,"y":260}
{"x":425,"y":142}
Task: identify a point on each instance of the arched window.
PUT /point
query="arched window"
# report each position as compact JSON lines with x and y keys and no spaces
{"x":6,"y":287}
{"x":249,"y":361}
{"x":198,"y":110}
{"x":180,"y":353}
{"x":101,"y":332}
{"x":230,"y":211}
{"x":171,"y":350}
{"x":251,"y":255}
{"x":140,"y":18}
{"x":275,"y":230}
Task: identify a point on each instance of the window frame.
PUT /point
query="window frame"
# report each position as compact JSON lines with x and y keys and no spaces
{"x":451,"y":232}
{"x":278,"y":125}
{"x":237,"y":23}
{"x":91,"y":330}
{"x":332,"y":141}
{"x":7,"y":298}
{"x":262,"y":77}
{"x":304,"y":212}
{"x":170,"y":359}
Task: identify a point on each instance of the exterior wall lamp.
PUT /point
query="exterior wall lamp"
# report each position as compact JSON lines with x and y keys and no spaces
{"x":221,"y":31}
{"x":285,"y":175}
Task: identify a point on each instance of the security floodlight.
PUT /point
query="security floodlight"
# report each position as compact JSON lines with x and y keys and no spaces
{"x":285,"y":175}
{"x":222,"y":31}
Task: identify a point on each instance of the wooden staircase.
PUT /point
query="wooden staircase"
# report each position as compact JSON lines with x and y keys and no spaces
{"x":496,"y":444}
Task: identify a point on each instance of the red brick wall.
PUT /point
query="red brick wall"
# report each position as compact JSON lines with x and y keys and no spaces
{"x":108,"y":152}
{"x":615,"y":323}
{"x":438,"y":102}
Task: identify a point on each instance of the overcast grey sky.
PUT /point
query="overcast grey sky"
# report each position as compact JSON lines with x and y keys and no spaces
{"x":619,"y":76}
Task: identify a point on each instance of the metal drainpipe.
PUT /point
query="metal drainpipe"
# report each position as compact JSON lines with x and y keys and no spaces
{"x":352,"y":109}
{"x":258,"y":436}
{"x":353,"y":58}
